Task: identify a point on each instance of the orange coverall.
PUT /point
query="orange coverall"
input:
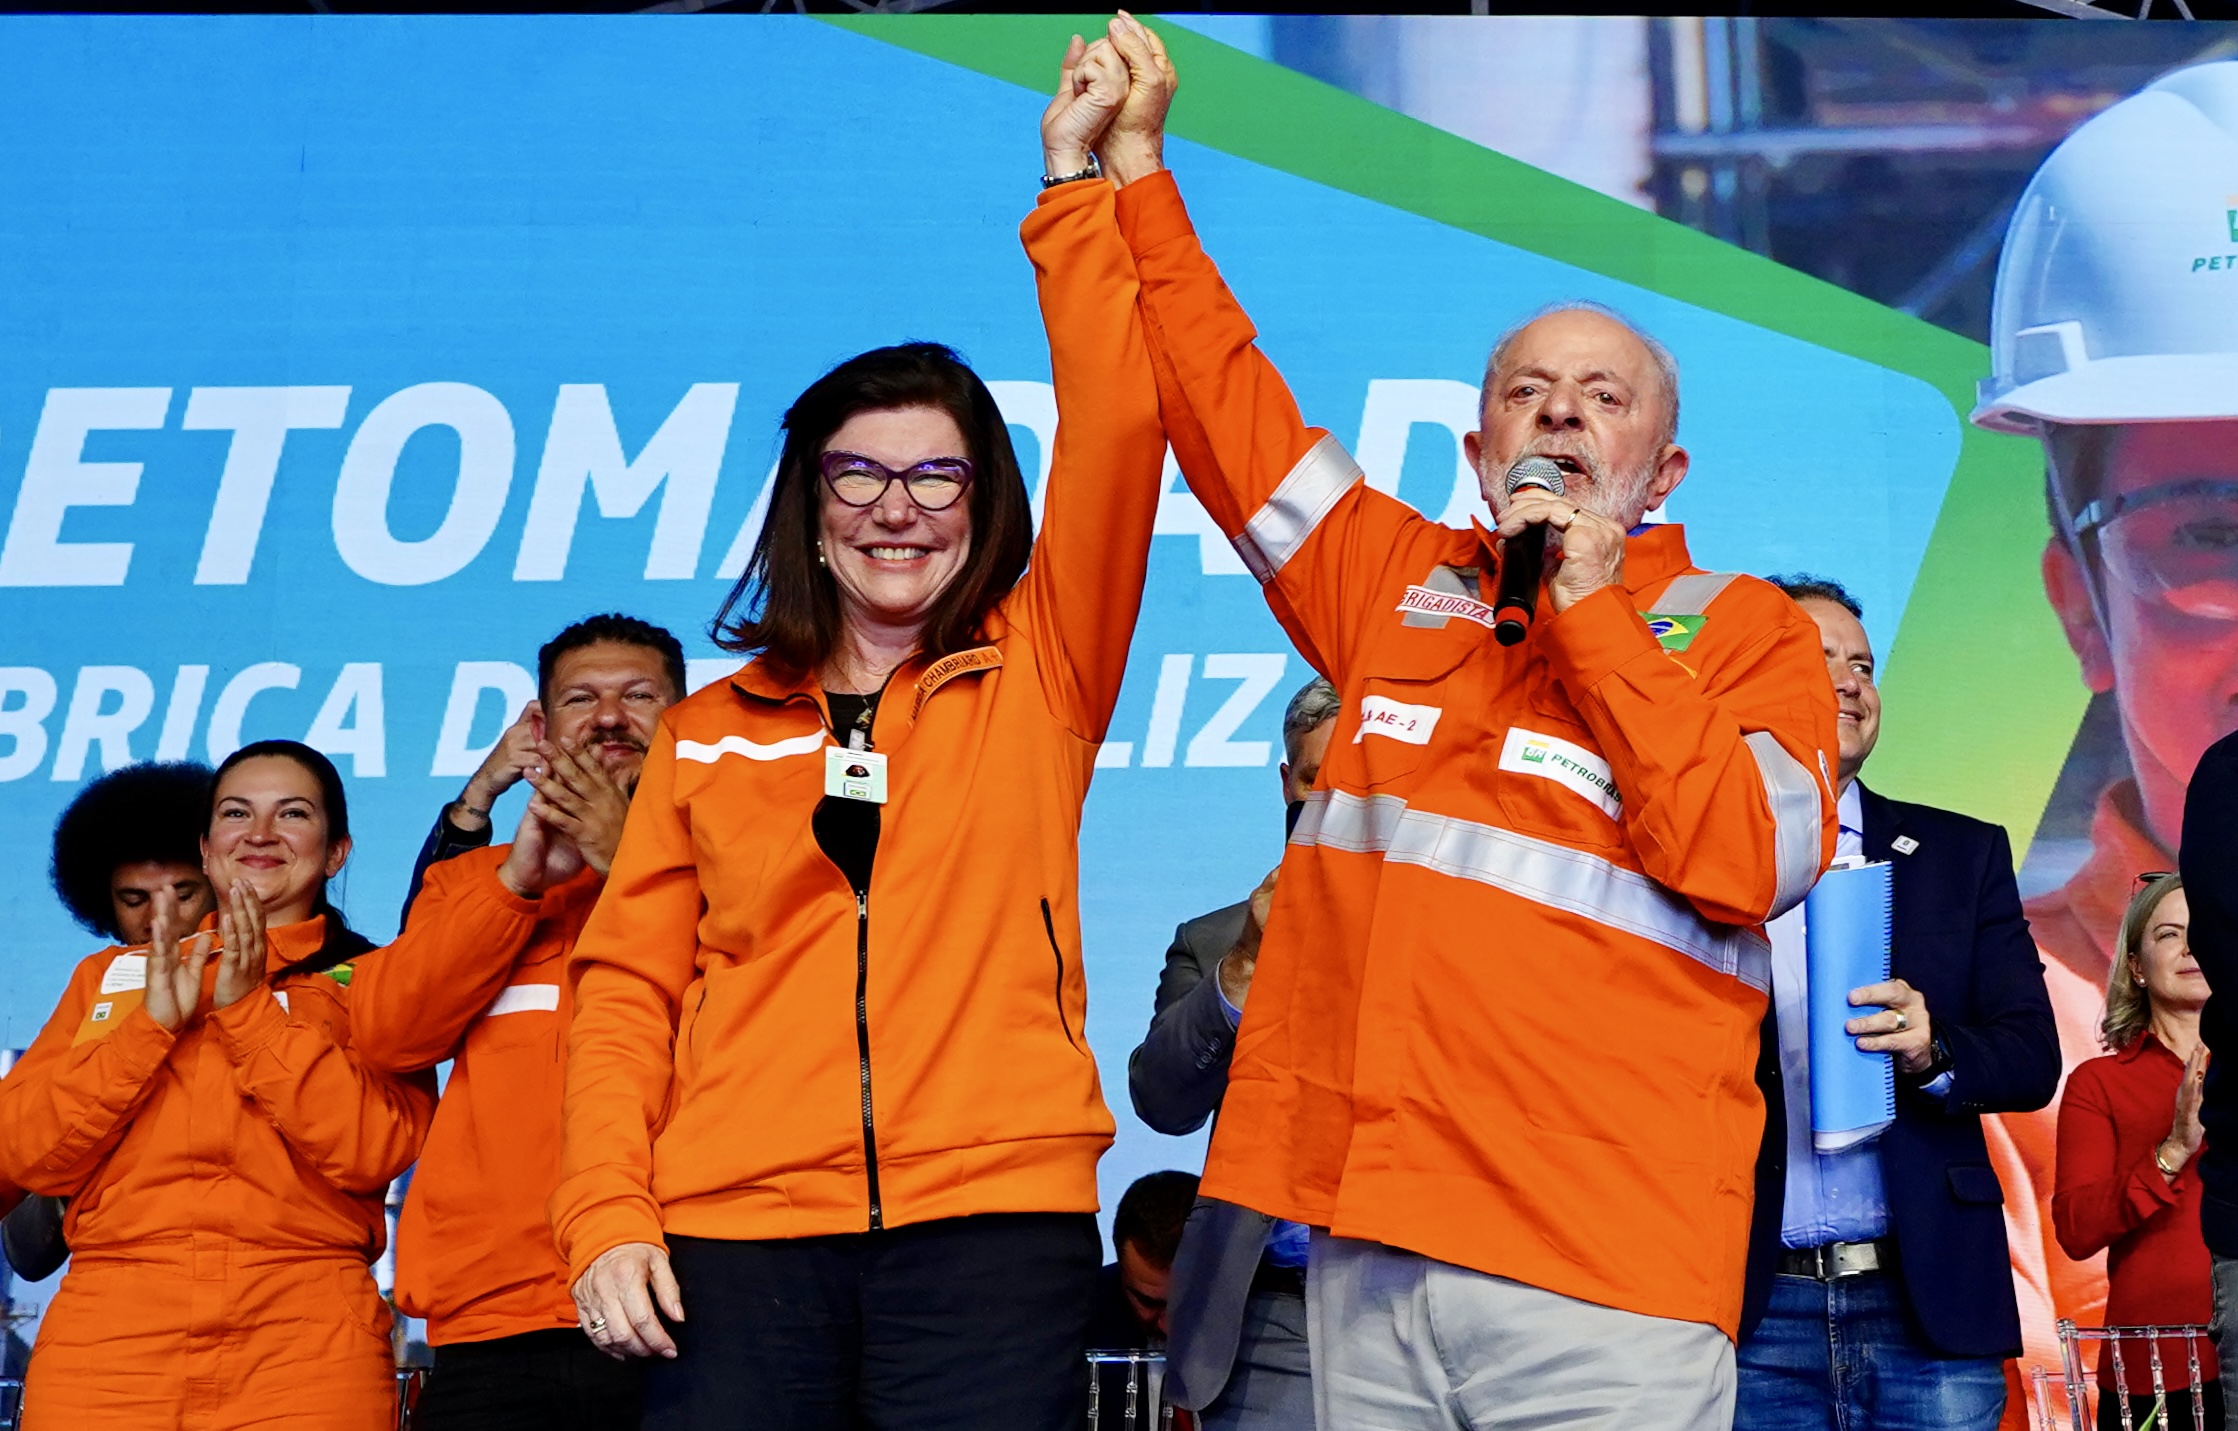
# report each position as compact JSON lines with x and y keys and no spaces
{"x":756,"y":1053}
{"x":225,"y":1187}
{"x":475,"y":978}
{"x":1506,"y":1014}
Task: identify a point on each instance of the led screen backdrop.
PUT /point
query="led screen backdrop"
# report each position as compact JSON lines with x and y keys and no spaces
{"x":341,"y":363}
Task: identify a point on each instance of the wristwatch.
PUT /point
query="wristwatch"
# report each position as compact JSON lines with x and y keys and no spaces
{"x":1093,"y":171}
{"x":1938,"y":1064}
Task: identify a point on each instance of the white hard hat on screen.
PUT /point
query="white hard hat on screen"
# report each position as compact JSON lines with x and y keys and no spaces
{"x":2117,"y":292}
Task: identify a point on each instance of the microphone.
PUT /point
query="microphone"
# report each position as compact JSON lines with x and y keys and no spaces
{"x":1523,"y":558}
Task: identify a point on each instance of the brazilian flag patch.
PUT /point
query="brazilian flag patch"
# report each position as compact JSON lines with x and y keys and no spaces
{"x":1674,"y":633}
{"x":340,"y":974}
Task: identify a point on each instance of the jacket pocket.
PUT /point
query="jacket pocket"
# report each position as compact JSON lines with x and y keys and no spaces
{"x":1976,"y":1185}
{"x":1553,"y":784}
{"x":1391,"y":727}
{"x":1056,"y":951}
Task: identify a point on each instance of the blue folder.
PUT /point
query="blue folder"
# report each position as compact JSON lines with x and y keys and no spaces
{"x":1846,"y":922}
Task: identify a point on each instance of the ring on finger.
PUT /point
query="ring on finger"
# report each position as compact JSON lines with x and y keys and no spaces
{"x":597,"y":1325}
{"x":1902,"y":1022}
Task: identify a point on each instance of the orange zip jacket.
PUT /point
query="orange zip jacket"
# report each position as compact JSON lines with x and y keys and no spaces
{"x":754,"y":1054}
{"x":475,"y":978}
{"x":225,"y":1187}
{"x":1506,"y":1012}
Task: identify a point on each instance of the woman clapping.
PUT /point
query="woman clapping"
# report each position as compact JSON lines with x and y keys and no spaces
{"x":225,"y":1156}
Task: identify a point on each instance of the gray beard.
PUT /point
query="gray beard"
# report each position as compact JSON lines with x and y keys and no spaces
{"x":1622,"y":502}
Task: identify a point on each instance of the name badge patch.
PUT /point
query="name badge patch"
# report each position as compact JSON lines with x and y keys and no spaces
{"x":126,"y":971}
{"x":1566,"y":764}
{"x":855,"y":774}
{"x":1380,"y":715}
{"x":1444,"y":603}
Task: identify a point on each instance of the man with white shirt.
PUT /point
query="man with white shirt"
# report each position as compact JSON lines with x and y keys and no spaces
{"x":1877,"y":1288}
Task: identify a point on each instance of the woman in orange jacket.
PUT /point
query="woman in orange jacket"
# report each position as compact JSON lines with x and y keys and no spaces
{"x":829,"y":1101}
{"x":224,"y":1154}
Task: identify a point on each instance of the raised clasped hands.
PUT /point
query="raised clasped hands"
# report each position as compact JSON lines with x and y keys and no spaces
{"x":1592,"y":550}
{"x":1091,"y":85}
{"x":1134,"y":147}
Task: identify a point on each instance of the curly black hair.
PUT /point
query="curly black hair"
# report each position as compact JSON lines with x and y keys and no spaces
{"x":151,"y":811}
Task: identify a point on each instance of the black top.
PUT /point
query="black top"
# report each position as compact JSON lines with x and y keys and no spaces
{"x":847,"y":830}
{"x":2209,"y":862}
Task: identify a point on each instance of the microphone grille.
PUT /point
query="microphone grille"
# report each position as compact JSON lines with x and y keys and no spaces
{"x":1535,"y":472}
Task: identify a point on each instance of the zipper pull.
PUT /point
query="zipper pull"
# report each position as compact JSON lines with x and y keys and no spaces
{"x":862,"y":904}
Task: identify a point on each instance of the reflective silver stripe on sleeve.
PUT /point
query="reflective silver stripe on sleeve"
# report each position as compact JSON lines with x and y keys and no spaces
{"x":1537,"y":870}
{"x":1792,"y":792}
{"x":1278,"y":529}
{"x":1692,"y":595}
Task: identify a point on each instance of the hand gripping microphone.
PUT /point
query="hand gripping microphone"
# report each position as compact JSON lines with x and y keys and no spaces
{"x":1523,"y":557}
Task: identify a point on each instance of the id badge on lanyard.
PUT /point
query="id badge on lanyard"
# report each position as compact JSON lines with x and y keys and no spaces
{"x":853,"y":774}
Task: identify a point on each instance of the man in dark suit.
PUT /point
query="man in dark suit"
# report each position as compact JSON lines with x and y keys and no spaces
{"x":1235,"y":1307}
{"x":1880,"y":1292}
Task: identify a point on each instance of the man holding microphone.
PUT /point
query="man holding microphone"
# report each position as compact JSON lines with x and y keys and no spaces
{"x":1508,"y":1079}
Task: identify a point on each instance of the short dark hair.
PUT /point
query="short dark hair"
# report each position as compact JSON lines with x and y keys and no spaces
{"x":150,"y":811}
{"x":610,"y":626}
{"x":1802,"y":586}
{"x":785,"y":605}
{"x":1152,"y":1213}
{"x":341,"y":943}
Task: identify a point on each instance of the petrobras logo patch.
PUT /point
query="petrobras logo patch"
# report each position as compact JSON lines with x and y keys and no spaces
{"x":1444,"y":603}
{"x":1565,"y":763}
{"x":1379,"y":715}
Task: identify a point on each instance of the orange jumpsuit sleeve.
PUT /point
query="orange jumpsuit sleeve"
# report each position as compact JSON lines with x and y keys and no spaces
{"x":63,"y":1108}
{"x":632,"y":964}
{"x":1725,"y":774}
{"x":1084,"y":587}
{"x":358,"y":1129}
{"x":1289,"y":498}
{"x":412,"y":1002}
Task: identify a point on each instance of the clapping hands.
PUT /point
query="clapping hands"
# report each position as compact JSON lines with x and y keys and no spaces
{"x":174,"y":987}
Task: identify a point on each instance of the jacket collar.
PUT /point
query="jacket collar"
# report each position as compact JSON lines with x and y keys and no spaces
{"x":2144,"y":1043}
{"x":906,"y":691}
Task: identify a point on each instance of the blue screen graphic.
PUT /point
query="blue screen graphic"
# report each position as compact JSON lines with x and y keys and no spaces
{"x":343,"y":362}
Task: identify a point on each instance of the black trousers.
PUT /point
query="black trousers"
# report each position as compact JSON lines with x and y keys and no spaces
{"x":537,"y":1381}
{"x":970,"y":1323}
